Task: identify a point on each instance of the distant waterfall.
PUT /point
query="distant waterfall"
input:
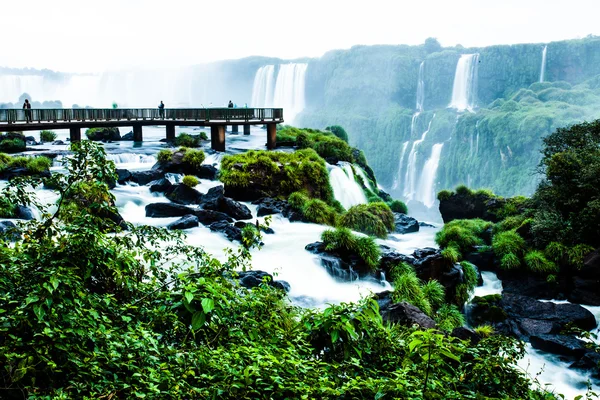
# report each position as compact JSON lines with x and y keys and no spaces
{"x":289,"y":90}
{"x":426,"y":192}
{"x":543,"y":68}
{"x":398,"y":180}
{"x":464,"y":91}
{"x":410,"y":179}
{"x":420,"y":88}
{"x":262,"y":90}
{"x":345,"y":188}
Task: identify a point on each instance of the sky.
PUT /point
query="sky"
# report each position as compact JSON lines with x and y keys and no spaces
{"x":100,"y":35}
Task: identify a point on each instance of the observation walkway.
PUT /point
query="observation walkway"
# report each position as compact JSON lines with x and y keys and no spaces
{"x":75,"y":119}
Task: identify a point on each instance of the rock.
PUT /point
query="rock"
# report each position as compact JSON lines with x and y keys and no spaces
{"x":128,"y":136}
{"x":123,"y":175}
{"x":161,"y":185}
{"x":252,"y":279}
{"x":484,"y":260}
{"x":145,"y":177}
{"x":25,"y":213}
{"x":559,"y":344}
{"x":589,"y":361}
{"x":231,"y":232}
{"x":345,"y":266}
{"x":406,"y":314}
{"x":281,"y":285}
{"x":405,"y":224}
{"x":426,"y":225}
{"x":486,"y":310}
{"x":207,"y":172}
{"x":235,"y":209}
{"x":167,"y":210}
{"x":13,"y":172}
{"x":585,"y":291}
{"x":9,"y":230}
{"x":186,"y":222}
{"x":207,"y":217}
{"x":470,"y":206}
{"x":104,"y":134}
{"x":464,"y":333}
{"x":269,"y":206}
{"x":178,"y":166}
{"x":529,"y":285}
{"x":183,"y":194}
{"x":57,"y":143}
{"x":210,"y":200}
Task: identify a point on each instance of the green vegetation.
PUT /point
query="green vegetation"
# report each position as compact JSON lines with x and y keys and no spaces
{"x":508,"y":242}
{"x":187,"y":140}
{"x":164,"y":156}
{"x":373,"y":219}
{"x":14,"y":145}
{"x":449,"y":317}
{"x":536,"y":262}
{"x":33,"y":165}
{"x":344,"y":241}
{"x":484,"y":330}
{"x":193,"y":157}
{"x":190,"y":181}
{"x":399,"y":207}
{"x":338,"y":131}
{"x":47,"y":136}
{"x":319,"y":212}
{"x":462,"y":234}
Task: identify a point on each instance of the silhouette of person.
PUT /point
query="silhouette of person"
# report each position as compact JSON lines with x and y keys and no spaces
{"x":27,"y":108}
{"x":161,"y":109}
{"x":230,"y":105}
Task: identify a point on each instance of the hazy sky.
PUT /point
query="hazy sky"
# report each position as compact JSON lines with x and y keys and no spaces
{"x":95,"y":35}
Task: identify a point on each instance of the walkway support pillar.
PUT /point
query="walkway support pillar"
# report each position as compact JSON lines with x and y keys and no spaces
{"x":246,"y":129}
{"x":137,"y":133}
{"x":234,"y":129}
{"x":170,"y":132}
{"x":217,"y":137}
{"x":271,"y":136}
{"x":75,"y":134}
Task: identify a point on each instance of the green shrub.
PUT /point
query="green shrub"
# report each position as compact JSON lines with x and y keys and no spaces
{"x":484,"y":331}
{"x":12,"y":145}
{"x":577,"y":253}
{"x":7,"y":208}
{"x":462,"y":294}
{"x":194,"y":157}
{"x":449,"y":317}
{"x":508,"y":242}
{"x":407,"y":287}
{"x":463,"y":234}
{"x":435,"y":293}
{"x":373,"y":219}
{"x":20,"y":161}
{"x":510,"y":261}
{"x":470,"y":274}
{"x":399,"y":207}
{"x":551,"y":279}
{"x":5,"y":158}
{"x":510,"y":223}
{"x":203,"y":136}
{"x":444,"y":195}
{"x":463,"y":190}
{"x":187,"y":140}
{"x":485,"y":193}
{"x":555,"y":251}
{"x":451,"y":254}
{"x":319,"y":212}
{"x":343,"y":240}
{"x":536,"y":262}
{"x":38,"y":164}
{"x":164,"y":156}
{"x":190,"y":181}
{"x":47,"y":136}
{"x":297,"y":200}
{"x":338,"y":131}
{"x":303,"y":141}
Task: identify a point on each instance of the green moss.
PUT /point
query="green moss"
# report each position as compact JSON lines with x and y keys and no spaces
{"x":399,"y":207}
{"x":373,"y":219}
{"x":190,"y":181}
{"x":444,"y":195}
{"x":463,"y":190}
{"x":319,"y":212}
{"x":12,"y":145}
{"x":297,"y":200}
{"x":462,"y":234}
{"x":194,"y":157}
{"x":407,"y":287}
{"x":164,"y":156}
{"x":510,"y":223}
{"x":187,"y":140}
{"x":451,"y":254}
{"x":342,"y":240}
{"x":338,"y":131}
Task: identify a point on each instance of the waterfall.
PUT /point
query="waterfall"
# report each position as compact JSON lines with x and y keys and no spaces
{"x":359,"y":171}
{"x":543,"y":68}
{"x":398,"y":180}
{"x":262,"y":90}
{"x":420,"y":88}
{"x":345,"y":188}
{"x":131,"y":158}
{"x":426,"y":193}
{"x":464,"y":91}
{"x":289,"y":90}
{"x":410,"y":179}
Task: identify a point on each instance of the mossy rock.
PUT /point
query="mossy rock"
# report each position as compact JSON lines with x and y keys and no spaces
{"x":486,"y":310}
{"x":101,"y":134}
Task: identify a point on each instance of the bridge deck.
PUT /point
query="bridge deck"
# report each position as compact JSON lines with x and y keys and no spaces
{"x":75,"y":119}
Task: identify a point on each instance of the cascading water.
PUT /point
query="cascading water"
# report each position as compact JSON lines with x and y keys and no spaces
{"x":420,"y":88}
{"x":398,"y":180}
{"x":543,"y":68}
{"x":345,"y":188}
{"x":464,"y":90}
{"x":289,"y":89}
{"x":262,"y":90}
{"x":410,"y":179}
{"x":426,"y":192}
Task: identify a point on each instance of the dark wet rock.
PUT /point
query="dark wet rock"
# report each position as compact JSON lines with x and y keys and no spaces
{"x":585,"y":291}
{"x":344,"y":266}
{"x":123,"y":175}
{"x":9,"y":230}
{"x":385,"y":196}
{"x":406,"y":314}
{"x":269,"y":206}
{"x":30,"y":139}
{"x":464,"y":333}
{"x":13,"y":172}
{"x":231,"y":232}
{"x":178,"y":166}
{"x":186,"y":222}
{"x":207,"y":217}
{"x":405,"y":224}
{"x":57,"y":143}
{"x":470,"y":206}
{"x":589,"y":361}
{"x":127,"y":136}
{"x":161,"y":185}
{"x":426,"y":225}
{"x":215,"y":200}
{"x":211,"y":199}
{"x":559,"y":344}
{"x":252,"y":279}
{"x":525,"y":284}
{"x":145,"y":177}
{"x":183,"y":194}
{"x":209,"y":172}
{"x":104,"y":134}
{"x":484,"y":260}
{"x":25,"y":213}
{"x":167,"y":210}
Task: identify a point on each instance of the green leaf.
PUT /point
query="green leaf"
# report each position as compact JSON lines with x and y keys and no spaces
{"x":198,"y":320}
{"x":208,"y":305}
{"x":189,"y":297}
{"x":335,"y":334}
{"x":39,"y":311}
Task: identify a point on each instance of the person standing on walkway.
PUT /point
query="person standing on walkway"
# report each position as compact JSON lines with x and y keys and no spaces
{"x":27,"y":108}
{"x":230,"y":105}
{"x":161,"y":109}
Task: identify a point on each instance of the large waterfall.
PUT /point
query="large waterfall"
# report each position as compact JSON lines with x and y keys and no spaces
{"x":426,"y":192}
{"x":420,"y":88}
{"x":410,"y":179}
{"x":345,"y":188}
{"x":543,"y":68}
{"x":262,"y":90}
{"x":289,"y":90}
{"x":464,"y":91}
{"x":398,"y":180}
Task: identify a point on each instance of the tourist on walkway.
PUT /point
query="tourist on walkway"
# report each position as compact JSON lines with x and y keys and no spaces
{"x":230,"y":105}
{"x":161,"y":110}
{"x":27,"y":108}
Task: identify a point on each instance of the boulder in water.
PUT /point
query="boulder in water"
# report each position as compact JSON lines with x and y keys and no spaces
{"x":123,"y":175}
{"x":25,"y":213}
{"x":128,"y":136}
{"x":231,"y":232}
{"x":161,"y":185}
{"x":406,"y":314}
{"x":186,"y":222}
{"x":269,"y":206}
{"x":215,"y":200}
{"x":405,"y":224}
{"x":252,"y":279}
{"x":103,"y":134}
{"x":207,"y":217}
{"x":559,"y":344}
{"x":9,"y":230}
{"x":183,"y":194}
{"x":145,"y":177}
{"x":344,"y":266}
{"x":167,"y":210}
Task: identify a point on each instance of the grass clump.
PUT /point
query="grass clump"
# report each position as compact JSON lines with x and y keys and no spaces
{"x":47,"y":136}
{"x":451,"y":254}
{"x":344,"y":241}
{"x":164,"y":156}
{"x":510,"y":261}
{"x":319,"y":212}
{"x":408,"y":288}
{"x":190,"y":181}
{"x":373,"y":219}
{"x":509,"y":242}
{"x":187,"y":140}
{"x":462,"y":234}
{"x":444,"y":195}
{"x":399,"y":207}
{"x":577,"y":253}
{"x":297,"y":200}
{"x":536,"y":262}
{"x":14,"y":145}
{"x":435,"y":293}
{"x":463,"y":190}
{"x":34,"y":165}
{"x":470,"y":274}
{"x":194,"y":157}
{"x":449,"y":317}
{"x":484,"y":330}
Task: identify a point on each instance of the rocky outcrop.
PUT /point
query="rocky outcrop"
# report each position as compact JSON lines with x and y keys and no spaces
{"x":167,"y":210}
{"x":230,"y":231}
{"x":270,"y":206}
{"x":343,"y":266}
{"x":215,"y":200}
{"x":183,"y":194}
{"x":123,"y":175}
{"x":177,"y":165}
{"x":252,"y":279}
{"x":470,"y":206}
{"x":207,"y":217}
{"x":405,"y":224}
{"x":128,"y":136}
{"x":186,"y":222}
{"x":145,"y":177}
{"x":160,"y":186}
{"x":13,"y":172}
{"x":402,"y":313}
{"x":103,"y":134}
{"x":559,"y":344}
